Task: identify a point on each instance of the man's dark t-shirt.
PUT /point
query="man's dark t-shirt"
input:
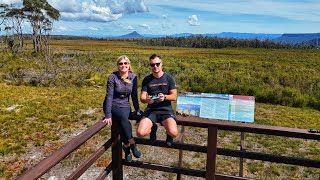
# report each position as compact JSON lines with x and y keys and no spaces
{"x":154,"y":86}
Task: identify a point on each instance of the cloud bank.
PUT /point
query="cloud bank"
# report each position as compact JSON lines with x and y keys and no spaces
{"x":97,"y":10}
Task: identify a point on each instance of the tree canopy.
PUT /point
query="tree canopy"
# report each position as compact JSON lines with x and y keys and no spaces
{"x":39,"y":13}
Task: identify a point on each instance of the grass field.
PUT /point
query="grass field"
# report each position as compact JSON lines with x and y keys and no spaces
{"x":47,"y":100}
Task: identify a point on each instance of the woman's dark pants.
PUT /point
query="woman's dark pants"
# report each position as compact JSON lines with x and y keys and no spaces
{"x":120,"y":115}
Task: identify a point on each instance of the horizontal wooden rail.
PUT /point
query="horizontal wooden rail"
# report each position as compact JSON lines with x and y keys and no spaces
{"x":105,"y":173}
{"x":117,"y":161}
{"x":164,"y":168}
{"x":46,"y":164}
{"x":247,"y":127}
{"x":87,"y":163}
{"x":270,"y":158}
{"x":184,"y":171}
{"x":236,"y":153}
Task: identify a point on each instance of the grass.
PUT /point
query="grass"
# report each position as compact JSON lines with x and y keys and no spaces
{"x":38,"y":116}
{"x":45,"y":102}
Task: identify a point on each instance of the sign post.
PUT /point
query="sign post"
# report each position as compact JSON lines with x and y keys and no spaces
{"x":218,"y":106}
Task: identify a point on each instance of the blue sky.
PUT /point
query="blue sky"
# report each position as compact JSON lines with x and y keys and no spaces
{"x":165,"y":17}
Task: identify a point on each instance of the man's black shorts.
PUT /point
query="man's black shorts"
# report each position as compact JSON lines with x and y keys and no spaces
{"x":157,"y":116}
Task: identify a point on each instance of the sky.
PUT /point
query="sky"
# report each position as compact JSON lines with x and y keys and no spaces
{"x":166,"y":17}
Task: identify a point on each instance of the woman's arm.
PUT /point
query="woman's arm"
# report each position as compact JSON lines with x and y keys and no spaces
{"x":134,"y":94}
{"x":110,"y":92}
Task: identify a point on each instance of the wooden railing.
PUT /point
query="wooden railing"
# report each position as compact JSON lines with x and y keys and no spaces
{"x":116,"y":166}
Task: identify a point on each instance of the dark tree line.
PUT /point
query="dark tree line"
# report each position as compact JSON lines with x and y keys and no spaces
{"x":200,"y":41}
{"x":38,"y":13}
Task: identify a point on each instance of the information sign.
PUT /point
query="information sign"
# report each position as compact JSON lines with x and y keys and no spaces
{"x":217,"y":106}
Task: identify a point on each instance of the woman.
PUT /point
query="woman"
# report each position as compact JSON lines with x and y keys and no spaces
{"x":121,"y":85}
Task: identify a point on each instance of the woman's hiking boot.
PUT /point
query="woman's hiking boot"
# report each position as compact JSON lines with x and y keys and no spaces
{"x":135,"y":151}
{"x":127,"y":154}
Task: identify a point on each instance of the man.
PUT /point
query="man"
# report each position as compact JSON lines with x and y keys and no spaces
{"x":158,"y":90}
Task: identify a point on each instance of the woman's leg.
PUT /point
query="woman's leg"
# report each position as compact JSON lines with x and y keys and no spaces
{"x":120,"y":116}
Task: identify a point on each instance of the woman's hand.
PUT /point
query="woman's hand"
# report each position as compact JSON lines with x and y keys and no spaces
{"x":138,"y":112}
{"x":108,"y":121}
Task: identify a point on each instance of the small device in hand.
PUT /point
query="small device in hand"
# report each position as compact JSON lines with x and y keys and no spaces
{"x":155,"y":98}
{"x":312,"y":130}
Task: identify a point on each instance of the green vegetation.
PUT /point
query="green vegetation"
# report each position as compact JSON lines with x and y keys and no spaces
{"x":200,"y":41}
{"x":45,"y":99}
{"x":284,"y":77}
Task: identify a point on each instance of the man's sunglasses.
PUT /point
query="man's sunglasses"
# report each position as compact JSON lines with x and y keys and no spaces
{"x":155,"y":64}
{"x":122,"y":63}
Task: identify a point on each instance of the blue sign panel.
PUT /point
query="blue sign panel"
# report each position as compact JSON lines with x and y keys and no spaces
{"x":217,"y":106}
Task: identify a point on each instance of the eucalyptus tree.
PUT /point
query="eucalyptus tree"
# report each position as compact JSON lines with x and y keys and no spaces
{"x":41,"y":15}
{"x":3,"y":19}
{"x":16,"y":18}
{"x":3,"y":10}
{"x":11,"y":22}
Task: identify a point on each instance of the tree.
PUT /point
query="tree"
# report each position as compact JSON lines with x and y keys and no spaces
{"x":17,"y":17}
{"x":3,"y":19}
{"x":41,"y":16}
{"x":3,"y":10}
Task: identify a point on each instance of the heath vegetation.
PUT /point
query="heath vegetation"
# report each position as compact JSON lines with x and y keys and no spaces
{"x":48,"y":98}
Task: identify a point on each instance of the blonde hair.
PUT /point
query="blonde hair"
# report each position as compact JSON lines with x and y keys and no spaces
{"x":124,"y":57}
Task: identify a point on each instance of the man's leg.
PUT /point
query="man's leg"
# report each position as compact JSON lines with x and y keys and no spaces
{"x":144,"y":127}
{"x":172,"y":129}
{"x":148,"y":125}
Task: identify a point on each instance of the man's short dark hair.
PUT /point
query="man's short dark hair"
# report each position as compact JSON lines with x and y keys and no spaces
{"x":154,"y":56}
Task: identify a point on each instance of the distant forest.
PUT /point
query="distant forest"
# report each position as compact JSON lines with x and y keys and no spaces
{"x":216,"y":42}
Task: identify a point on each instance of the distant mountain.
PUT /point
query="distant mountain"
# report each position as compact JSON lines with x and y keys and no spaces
{"x":181,"y":35}
{"x":153,"y":35}
{"x":134,"y":34}
{"x":297,"y":38}
{"x":172,"y":35}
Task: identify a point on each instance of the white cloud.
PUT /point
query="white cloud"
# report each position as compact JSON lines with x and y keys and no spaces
{"x":93,"y":28}
{"x":66,"y":6}
{"x":146,"y":26}
{"x":126,"y":6}
{"x":61,"y":28}
{"x":97,"y":10}
{"x":193,"y":20}
{"x":129,"y":28}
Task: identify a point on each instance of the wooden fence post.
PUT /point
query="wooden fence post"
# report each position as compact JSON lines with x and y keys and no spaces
{"x":242,"y":148}
{"x":117,"y":170}
{"x":211,"y":153}
{"x":181,"y":152}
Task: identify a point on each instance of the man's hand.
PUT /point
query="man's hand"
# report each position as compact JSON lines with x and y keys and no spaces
{"x":161,"y":97}
{"x":108,"y":121}
{"x":149,"y":100}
